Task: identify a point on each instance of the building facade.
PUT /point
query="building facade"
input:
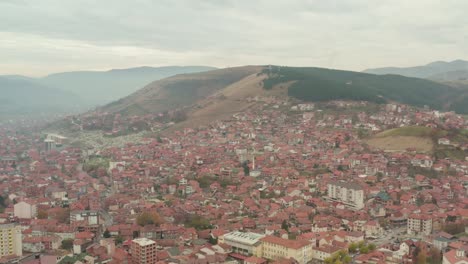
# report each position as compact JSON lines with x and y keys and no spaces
{"x":419,"y":224}
{"x":350,"y":194}
{"x":275,"y":248}
{"x":143,"y":251}
{"x":25,"y":210}
{"x":245,"y":243}
{"x":10,"y":240}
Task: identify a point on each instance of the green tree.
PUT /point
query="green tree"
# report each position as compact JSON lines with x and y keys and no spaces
{"x":119,"y":239}
{"x":353,"y":247}
{"x":285,"y":225}
{"x":106,"y":234}
{"x":212,"y":240}
{"x":340,"y":257}
{"x":67,"y":244}
{"x":198,"y":222}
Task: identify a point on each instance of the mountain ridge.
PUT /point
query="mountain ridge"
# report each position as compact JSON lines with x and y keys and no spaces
{"x":423,"y":71}
{"x":214,"y":94}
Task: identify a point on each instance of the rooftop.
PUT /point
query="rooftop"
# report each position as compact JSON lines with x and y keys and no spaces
{"x":143,"y":241}
{"x":244,"y":237}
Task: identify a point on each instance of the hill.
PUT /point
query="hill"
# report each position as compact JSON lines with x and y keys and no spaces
{"x":432,"y":70}
{"x":21,"y":96}
{"x":101,"y":87}
{"x":179,"y":91}
{"x":219,"y":93}
{"x":318,"y":84}
{"x":459,"y":76}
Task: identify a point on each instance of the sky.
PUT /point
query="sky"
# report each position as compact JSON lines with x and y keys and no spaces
{"x":47,"y":36}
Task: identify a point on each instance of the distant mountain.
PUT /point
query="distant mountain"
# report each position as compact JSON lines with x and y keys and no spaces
{"x":451,"y":76}
{"x":21,"y":95}
{"x":438,"y":68}
{"x":101,"y":87}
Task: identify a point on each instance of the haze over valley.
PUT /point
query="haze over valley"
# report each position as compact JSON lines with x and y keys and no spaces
{"x":234,"y":132}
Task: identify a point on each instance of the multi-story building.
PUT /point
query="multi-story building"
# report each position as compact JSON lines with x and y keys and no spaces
{"x":350,"y":194}
{"x":275,"y":248}
{"x":85,"y":220}
{"x":245,"y":243}
{"x":25,"y":210}
{"x":419,"y":224}
{"x":143,"y":251}
{"x":10,"y":240}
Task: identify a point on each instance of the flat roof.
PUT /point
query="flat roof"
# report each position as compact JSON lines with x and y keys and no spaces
{"x":143,"y":241}
{"x":244,"y":237}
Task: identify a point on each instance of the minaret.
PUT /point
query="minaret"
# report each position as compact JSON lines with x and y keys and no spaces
{"x":253,"y":162}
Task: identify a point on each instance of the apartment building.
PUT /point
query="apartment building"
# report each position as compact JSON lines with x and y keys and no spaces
{"x":419,"y":224}
{"x":348,"y":193}
{"x":143,"y":251}
{"x":10,"y":240}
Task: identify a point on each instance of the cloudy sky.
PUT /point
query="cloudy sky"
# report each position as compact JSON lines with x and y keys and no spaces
{"x":40,"y":37}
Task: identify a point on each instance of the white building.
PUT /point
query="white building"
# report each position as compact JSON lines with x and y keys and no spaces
{"x":350,"y":194}
{"x":10,"y":240}
{"x":25,"y":210}
{"x":245,"y":243}
{"x":419,"y":224}
{"x":88,"y":217}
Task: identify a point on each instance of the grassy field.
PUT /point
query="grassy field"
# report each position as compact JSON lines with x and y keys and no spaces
{"x":400,"y":139}
{"x":422,"y":139}
{"x":409,"y":131}
{"x":402,"y":143}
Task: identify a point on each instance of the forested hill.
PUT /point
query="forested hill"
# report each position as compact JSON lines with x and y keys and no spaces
{"x":319,"y":84}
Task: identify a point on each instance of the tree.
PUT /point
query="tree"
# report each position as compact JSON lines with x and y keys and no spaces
{"x":421,"y":257}
{"x":435,"y":256}
{"x":198,"y":222}
{"x":119,"y":239}
{"x":67,"y":244}
{"x":42,"y":214}
{"x":353,"y":247}
{"x":337,"y":258}
{"x":285,"y":225}
{"x":212,"y":240}
{"x":246,"y":170}
{"x":63,"y":216}
{"x":106,"y":234}
{"x":149,"y":218}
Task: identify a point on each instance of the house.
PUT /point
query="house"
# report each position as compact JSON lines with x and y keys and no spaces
{"x":25,"y":210}
{"x":443,"y":141}
{"x":423,"y":161}
{"x":456,"y":256}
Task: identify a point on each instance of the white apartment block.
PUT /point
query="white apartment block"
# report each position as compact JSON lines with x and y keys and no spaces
{"x":419,"y":224}
{"x":350,"y":194}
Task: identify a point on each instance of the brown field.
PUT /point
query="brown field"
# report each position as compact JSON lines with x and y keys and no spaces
{"x":401,"y":143}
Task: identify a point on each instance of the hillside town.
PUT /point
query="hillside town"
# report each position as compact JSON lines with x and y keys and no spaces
{"x":281,"y":182}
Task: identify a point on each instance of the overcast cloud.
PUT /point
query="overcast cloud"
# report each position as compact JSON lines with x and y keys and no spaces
{"x":40,"y":37}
